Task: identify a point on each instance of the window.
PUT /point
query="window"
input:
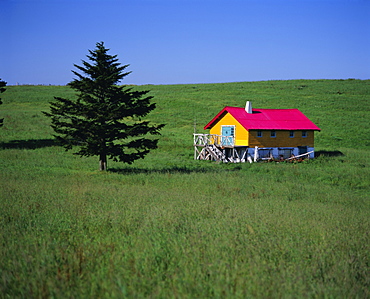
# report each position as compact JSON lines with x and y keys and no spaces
{"x":291,"y":134}
{"x":273,"y":134}
{"x":285,"y":153}
{"x":304,"y":134}
{"x":259,"y":133}
{"x":264,"y":153}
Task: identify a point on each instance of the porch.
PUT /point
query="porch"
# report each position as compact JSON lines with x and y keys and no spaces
{"x":218,"y":148}
{"x":222,"y":149}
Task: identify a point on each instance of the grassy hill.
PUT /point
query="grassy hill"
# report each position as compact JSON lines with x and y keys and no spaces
{"x":169,"y":226}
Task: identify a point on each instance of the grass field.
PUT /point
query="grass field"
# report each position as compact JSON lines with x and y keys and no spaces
{"x":171,"y":227}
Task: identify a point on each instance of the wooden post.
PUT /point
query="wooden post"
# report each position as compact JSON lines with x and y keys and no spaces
{"x":255,"y":153}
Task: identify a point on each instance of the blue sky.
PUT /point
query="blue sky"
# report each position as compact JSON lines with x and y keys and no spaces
{"x":187,"y":41}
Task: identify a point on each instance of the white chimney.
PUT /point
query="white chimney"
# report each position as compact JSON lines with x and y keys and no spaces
{"x":248,"y":107}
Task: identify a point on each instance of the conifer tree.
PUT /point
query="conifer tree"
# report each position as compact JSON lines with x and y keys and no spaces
{"x":105,"y":119}
{"x":2,"y":89}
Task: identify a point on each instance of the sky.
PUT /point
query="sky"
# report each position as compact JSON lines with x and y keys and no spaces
{"x":187,"y":41}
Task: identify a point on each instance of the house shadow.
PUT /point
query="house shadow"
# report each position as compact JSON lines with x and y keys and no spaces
{"x":330,"y":154}
{"x":169,"y":170}
{"x":28,"y":144}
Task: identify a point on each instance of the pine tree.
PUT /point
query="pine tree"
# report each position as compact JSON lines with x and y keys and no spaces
{"x":105,"y":119}
{"x":2,"y":89}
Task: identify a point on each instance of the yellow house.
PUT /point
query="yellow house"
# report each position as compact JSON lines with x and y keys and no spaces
{"x":237,"y":134}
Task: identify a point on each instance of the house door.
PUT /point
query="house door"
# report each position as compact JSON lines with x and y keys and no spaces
{"x":302,"y":150}
{"x":227,"y":133}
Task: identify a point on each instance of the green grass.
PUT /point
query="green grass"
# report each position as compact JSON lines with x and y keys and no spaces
{"x":169,"y":226}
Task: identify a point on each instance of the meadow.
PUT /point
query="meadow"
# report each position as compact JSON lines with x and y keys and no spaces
{"x":168,"y":226}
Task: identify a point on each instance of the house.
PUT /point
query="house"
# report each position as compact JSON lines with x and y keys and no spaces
{"x":240,"y":134}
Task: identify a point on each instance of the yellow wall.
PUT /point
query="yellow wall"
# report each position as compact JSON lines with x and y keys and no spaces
{"x":282,"y":139}
{"x":241,"y":134}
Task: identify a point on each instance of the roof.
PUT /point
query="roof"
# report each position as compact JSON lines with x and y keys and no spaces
{"x":267,"y":119}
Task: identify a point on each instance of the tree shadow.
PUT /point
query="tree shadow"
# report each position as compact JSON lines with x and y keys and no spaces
{"x":324,"y":153}
{"x":28,"y":144}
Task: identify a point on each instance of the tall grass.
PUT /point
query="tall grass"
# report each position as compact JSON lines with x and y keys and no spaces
{"x":169,"y":226}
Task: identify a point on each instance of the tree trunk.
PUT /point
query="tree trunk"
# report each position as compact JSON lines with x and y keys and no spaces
{"x":103,"y":162}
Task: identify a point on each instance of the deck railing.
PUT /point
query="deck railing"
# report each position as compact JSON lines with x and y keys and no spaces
{"x":218,"y":140}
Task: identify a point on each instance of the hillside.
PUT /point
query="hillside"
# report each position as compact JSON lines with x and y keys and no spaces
{"x":168,"y":226}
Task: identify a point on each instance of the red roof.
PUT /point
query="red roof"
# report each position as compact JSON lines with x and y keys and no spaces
{"x":267,"y":119}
